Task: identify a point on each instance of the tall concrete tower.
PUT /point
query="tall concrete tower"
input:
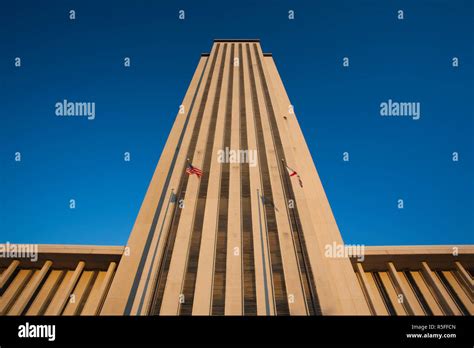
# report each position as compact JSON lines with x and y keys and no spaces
{"x":236,"y":222}
{"x":247,"y":237}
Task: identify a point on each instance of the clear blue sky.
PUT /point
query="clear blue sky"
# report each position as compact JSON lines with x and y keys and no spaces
{"x":338,"y":109}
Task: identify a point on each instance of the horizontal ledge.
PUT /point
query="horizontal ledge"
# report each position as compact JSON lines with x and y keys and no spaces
{"x":67,"y":256}
{"x":80,"y":249}
{"x":418,"y":249}
{"x":439,"y":257}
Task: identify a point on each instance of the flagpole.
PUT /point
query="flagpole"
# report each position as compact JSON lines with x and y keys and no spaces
{"x":305,"y":265}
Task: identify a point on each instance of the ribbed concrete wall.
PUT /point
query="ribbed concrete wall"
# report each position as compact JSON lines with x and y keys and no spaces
{"x":75,"y":280}
{"x":422,"y":280}
{"x":65,"y":280}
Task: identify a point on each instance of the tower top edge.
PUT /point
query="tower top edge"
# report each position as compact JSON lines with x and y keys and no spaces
{"x":207,"y":54}
{"x":236,"y":40}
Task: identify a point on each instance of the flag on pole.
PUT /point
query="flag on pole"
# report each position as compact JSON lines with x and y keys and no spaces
{"x":293,"y":172}
{"x":190,"y":170}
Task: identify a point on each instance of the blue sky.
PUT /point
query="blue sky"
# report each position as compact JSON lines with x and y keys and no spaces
{"x":338,"y":109}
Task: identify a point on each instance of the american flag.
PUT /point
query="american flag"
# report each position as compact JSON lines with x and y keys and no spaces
{"x":292,"y":172}
{"x":190,"y":170}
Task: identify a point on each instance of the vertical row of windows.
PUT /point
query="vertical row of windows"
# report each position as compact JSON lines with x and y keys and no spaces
{"x":193,"y":256}
{"x":218,"y":299}
{"x":248,"y":263}
{"x":171,"y":235}
{"x":309,"y":287}
{"x":418,"y":294}
{"x":384,"y":294}
{"x":279,"y":285}
{"x":451,"y":292}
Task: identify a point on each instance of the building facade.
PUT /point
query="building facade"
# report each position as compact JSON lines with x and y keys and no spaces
{"x":247,"y":237}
